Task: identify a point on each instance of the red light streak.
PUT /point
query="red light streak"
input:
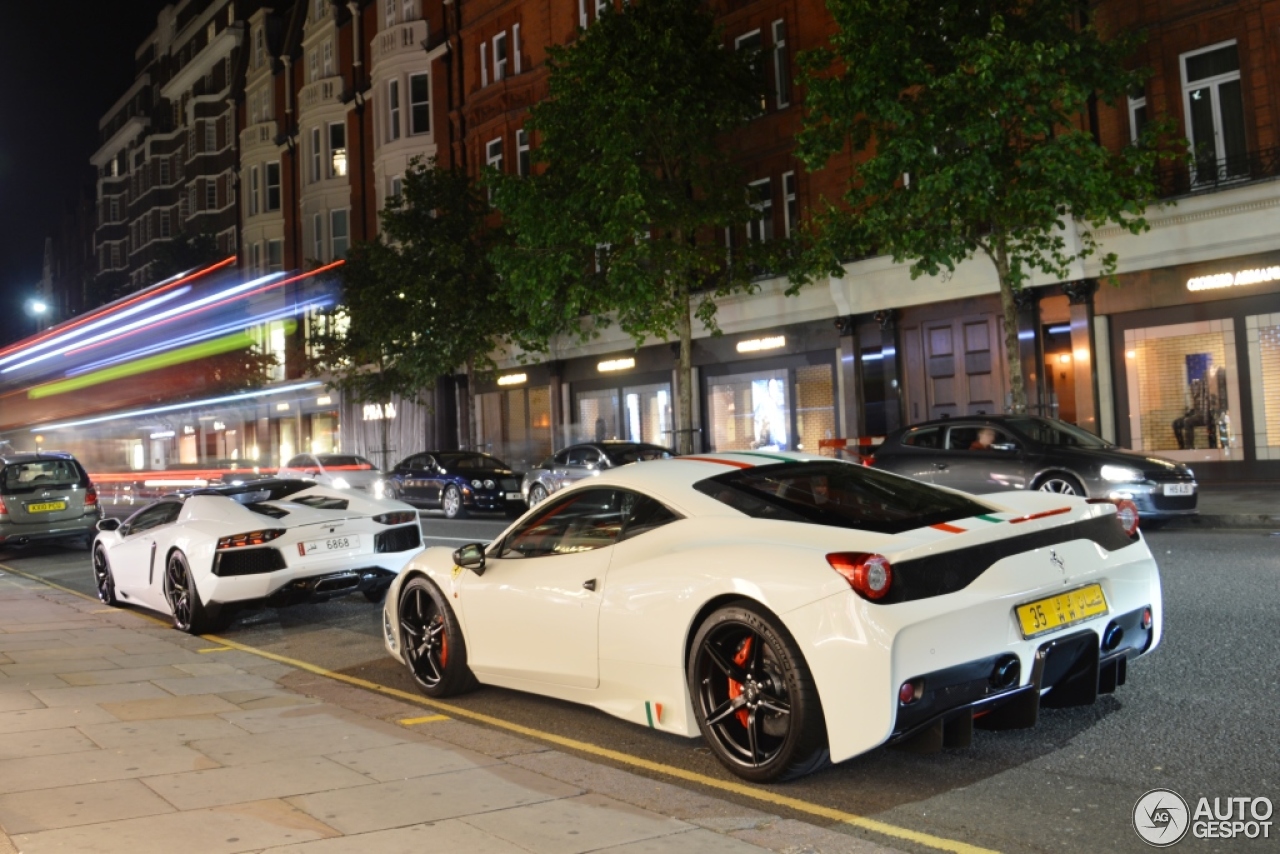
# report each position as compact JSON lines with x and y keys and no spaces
{"x":148,"y":328}
{"x":94,"y":315}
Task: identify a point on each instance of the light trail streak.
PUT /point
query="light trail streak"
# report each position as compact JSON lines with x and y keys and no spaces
{"x":155,"y":319}
{"x":217,"y":346}
{"x":202,"y":335}
{"x":155,"y":290}
{"x":190,"y":404}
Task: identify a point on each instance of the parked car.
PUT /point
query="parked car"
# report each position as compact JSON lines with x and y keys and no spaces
{"x":201,"y":555}
{"x":44,"y":497}
{"x":1030,"y":452}
{"x":791,"y":609}
{"x":457,"y":482}
{"x":582,"y":461}
{"x":341,"y":471}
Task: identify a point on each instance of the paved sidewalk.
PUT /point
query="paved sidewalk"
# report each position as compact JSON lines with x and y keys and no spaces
{"x":121,"y":735}
{"x":1255,"y":505}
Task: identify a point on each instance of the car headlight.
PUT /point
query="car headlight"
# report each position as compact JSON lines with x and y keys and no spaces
{"x":1120,"y":474}
{"x":341,"y":483}
{"x":488,"y":484}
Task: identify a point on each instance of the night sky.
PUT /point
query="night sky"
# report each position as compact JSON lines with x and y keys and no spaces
{"x":64,"y":65}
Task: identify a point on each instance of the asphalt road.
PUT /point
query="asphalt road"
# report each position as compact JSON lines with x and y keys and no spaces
{"x":1199,"y":716}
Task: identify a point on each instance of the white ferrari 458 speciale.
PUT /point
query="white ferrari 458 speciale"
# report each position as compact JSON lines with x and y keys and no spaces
{"x":203,"y":555}
{"x":792,"y":609}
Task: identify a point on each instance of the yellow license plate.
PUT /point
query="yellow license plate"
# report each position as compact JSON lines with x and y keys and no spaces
{"x":47,"y":507}
{"x":1065,"y":609}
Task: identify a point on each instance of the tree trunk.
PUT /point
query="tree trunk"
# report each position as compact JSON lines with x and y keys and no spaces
{"x":473,"y":436}
{"x":384,"y":454}
{"x":1012,"y":350}
{"x":684,"y":373}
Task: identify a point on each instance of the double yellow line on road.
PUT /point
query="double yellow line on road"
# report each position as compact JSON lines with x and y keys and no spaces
{"x":741,"y":789}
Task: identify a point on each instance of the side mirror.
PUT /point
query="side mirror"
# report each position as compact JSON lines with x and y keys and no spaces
{"x":108,"y":524}
{"x":470,"y":556}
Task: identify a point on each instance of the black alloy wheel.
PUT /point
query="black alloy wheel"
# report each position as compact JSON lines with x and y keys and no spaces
{"x":433,"y":645}
{"x":189,"y":614}
{"x":102,"y":575}
{"x":754,"y":697}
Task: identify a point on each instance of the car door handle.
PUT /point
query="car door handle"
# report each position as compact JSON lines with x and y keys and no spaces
{"x":589,"y":584}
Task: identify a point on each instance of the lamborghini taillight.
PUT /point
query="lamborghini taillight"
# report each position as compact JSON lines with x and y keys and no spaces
{"x":253,"y":538}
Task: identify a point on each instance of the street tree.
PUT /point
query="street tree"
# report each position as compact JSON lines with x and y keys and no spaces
{"x":968,"y":122}
{"x":622,"y":219}
{"x":421,"y":301}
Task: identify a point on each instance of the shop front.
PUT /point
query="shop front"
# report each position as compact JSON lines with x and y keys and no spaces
{"x":514,"y":416}
{"x":1196,"y":353}
{"x":627,"y":396}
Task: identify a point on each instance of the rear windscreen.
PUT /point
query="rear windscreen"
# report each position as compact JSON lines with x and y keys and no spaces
{"x":18,"y":478}
{"x":839,"y":495}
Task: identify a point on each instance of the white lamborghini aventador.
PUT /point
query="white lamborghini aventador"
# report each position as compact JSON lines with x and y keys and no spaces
{"x":792,"y":609}
{"x":202,"y":555}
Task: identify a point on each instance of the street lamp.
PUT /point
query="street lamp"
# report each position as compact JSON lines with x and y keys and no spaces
{"x":37,"y":308}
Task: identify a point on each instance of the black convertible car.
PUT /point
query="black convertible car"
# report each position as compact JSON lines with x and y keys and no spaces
{"x":456,"y":482}
{"x":993,"y":453}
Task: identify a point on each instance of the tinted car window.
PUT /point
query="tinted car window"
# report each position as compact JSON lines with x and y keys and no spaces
{"x":471,"y":462}
{"x":838,"y":495}
{"x":153,"y":516}
{"x":588,"y":519}
{"x":333,"y":461}
{"x":926,"y":437}
{"x":560,"y":459}
{"x":1056,"y":433}
{"x":622,"y":456}
{"x":297,"y":462}
{"x":38,"y":474}
{"x":644,"y":514}
{"x":969,"y":438}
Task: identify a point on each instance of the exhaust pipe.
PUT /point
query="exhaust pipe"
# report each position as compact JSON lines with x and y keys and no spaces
{"x":1112,"y":637}
{"x":1006,"y":672}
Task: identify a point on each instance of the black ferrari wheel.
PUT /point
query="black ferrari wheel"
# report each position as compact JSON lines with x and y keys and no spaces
{"x":102,"y":576}
{"x":433,"y":644}
{"x":189,"y":613}
{"x":451,"y":501}
{"x":1062,"y":484}
{"x":754,"y":698}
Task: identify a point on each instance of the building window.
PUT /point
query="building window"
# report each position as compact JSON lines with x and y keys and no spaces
{"x":397,"y":186}
{"x":254,"y":190}
{"x":419,"y":104}
{"x":275,"y":256}
{"x":164,"y":223}
{"x":338,"y":233}
{"x":195,"y":197}
{"x":313,"y":66}
{"x":760,"y":193}
{"x":522,"y":151}
{"x":409,"y":10}
{"x":781,"y":67}
{"x":499,"y":56}
{"x":393,"y":107}
{"x":259,"y":47}
{"x":255,"y":258}
{"x":317,"y":154}
{"x":211,"y":135}
{"x":390,"y":13}
{"x":327,"y":59}
{"x":493,"y":158}
{"x":210,"y":194}
{"x":164,"y":171}
{"x":515,"y":48}
{"x":115,"y":209}
{"x":484,"y":67}
{"x":789,"y":210}
{"x":337,"y":150}
{"x":1137,"y":115}
{"x":273,"y":186}
{"x":317,"y":237}
{"x":319,"y":9}
{"x":753,"y":43}
{"x":1215,"y":112}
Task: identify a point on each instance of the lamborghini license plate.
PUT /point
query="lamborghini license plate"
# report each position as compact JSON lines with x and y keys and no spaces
{"x":46,"y":506}
{"x":332,"y":544}
{"x":1065,"y":609}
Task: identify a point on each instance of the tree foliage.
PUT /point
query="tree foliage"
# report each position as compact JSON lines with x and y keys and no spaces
{"x":968,"y":124}
{"x":623,"y":217}
{"x":421,"y":301}
{"x":185,"y":252}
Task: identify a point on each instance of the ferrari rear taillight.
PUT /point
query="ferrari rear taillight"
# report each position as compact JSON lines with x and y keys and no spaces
{"x":91,"y":496}
{"x":868,"y":574}
{"x":253,"y":538}
{"x":869,"y":460}
{"x":1126,"y":513}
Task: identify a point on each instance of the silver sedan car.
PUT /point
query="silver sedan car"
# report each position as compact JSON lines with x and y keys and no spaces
{"x":582,"y":461}
{"x":340,"y":471}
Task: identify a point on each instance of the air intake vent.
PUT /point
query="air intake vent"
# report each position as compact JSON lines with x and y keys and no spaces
{"x":398,"y":539}
{"x":247,"y":562}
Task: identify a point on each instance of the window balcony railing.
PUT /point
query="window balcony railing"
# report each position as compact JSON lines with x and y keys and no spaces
{"x":1208,"y":175}
{"x":400,"y":39}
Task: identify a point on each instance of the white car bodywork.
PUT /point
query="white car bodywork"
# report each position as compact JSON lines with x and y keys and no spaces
{"x":322,"y":550}
{"x":622,"y":647}
{"x":358,"y":476}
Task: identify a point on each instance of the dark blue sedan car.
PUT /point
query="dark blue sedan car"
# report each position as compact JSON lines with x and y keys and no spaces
{"x":456,"y":482}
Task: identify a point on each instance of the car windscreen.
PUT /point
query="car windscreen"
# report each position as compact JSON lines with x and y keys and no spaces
{"x":349,"y":463}
{"x":1055,"y":433}
{"x":635,"y":453}
{"x":471,"y":462}
{"x":838,"y":495}
{"x":18,"y":478}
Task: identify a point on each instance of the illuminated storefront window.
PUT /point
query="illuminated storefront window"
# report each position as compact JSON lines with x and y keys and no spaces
{"x":1263,"y":331}
{"x":780,"y":409}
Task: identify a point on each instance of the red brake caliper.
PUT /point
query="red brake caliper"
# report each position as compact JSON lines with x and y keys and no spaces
{"x":741,"y":658}
{"x":444,"y":650}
